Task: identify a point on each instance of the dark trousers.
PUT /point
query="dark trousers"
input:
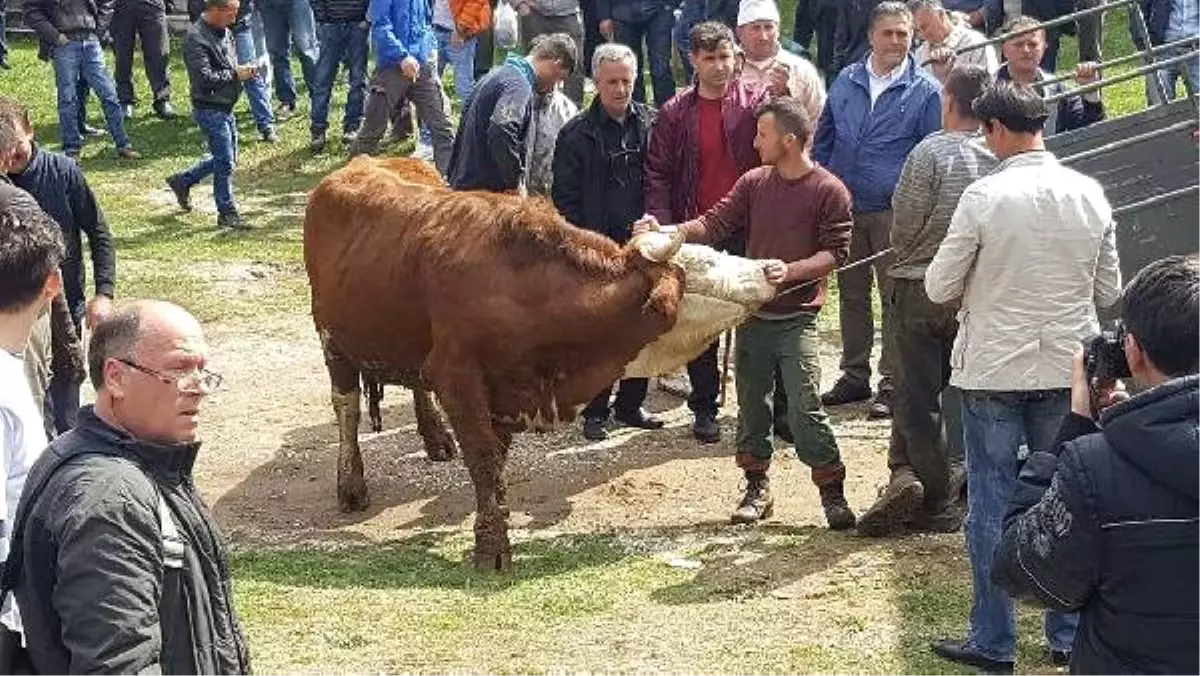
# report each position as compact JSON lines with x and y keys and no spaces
{"x":922,"y":440}
{"x":63,"y":391}
{"x":388,"y":88}
{"x":3,"y":28}
{"x":134,"y":20}
{"x":870,"y":235}
{"x":485,"y":50}
{"x":340,"y":43}
{"x":651,"y":24}
{"x":631,"y":393}
{"x":706,"y":383}
{"x":591,"y":33}
{"x":1089,"y":31}
{"x":534,"y":25}
{"x":817,"y":18}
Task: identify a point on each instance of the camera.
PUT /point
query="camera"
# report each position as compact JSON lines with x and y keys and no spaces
{"x":1104,"y":356}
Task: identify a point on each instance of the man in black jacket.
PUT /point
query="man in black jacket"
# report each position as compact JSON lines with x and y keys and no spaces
{"x":117,"y":563}
{"x":146,"y":19}
{"x":598,"y":161}
{"x":60,"y":188}
{"x":216,"y":80}
{"x":1109,"y":526}
{"x":69,"y":35}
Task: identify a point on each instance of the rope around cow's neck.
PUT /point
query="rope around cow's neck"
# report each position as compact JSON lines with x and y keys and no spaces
{"x":848,"y":266}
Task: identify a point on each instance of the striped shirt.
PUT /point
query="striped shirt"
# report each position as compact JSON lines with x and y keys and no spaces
{"x":935,"y":175}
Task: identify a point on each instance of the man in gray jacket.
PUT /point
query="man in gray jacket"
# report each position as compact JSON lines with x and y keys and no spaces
{"x":117,"y":563}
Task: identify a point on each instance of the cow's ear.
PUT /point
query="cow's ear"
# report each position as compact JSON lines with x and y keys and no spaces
{"x":664,"y":296}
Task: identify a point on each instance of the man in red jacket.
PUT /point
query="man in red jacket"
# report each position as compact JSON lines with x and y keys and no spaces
{"x":702,"y":141}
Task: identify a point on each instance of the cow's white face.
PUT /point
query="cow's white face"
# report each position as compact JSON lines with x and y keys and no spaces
{"x":722,"y":291}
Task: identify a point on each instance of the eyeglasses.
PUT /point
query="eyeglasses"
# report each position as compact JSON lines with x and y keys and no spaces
{"x":197,"y":379}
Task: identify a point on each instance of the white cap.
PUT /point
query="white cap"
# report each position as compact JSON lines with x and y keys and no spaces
{"x":750,"y":11}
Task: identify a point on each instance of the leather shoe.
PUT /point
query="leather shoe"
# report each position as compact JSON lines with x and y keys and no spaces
{"x":1060,"y":658}
{"x":706,"y":430}
{"x":181,"y":190}
{"x":956,"y":651}
{"x":846,"y":391}
{"x":638,"y":418}
{"x":881,"y":406}
{"x":594,"y":429}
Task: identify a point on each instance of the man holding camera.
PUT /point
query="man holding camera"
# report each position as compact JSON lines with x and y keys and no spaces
{"x":216,"y":79}
{"x":1030,"y":254}
{"x":1112,"y":533}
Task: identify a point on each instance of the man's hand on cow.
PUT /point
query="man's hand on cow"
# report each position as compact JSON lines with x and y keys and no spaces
{"x":411,"y":68}
{"x":775,"y":270}
{"x":645,"y":224}
{"x":98,"y":309}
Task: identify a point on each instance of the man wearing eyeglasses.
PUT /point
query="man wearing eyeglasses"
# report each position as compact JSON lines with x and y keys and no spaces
{"x":117,"y":563}
{"x":598,"y":185}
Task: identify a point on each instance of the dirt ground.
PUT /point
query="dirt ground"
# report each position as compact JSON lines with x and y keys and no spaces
{"x":269,"y":460}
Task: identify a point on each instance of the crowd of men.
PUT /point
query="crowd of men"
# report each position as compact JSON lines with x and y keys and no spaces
{"x":921,"y":172}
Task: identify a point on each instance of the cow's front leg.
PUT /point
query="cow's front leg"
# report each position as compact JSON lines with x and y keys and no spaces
{"x":439,"y":443}
{"x":347,"y":402}
{"x":459,"y":384}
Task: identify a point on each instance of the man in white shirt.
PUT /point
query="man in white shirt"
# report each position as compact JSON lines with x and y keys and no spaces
{"x":31,"y":249}
{"x":771,"y":66}
{"x":943,"y":35}
{"x":1030,"y":254}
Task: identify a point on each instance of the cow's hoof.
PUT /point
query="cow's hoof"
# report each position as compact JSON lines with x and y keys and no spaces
{"x":353,"y":499}
{"x":492,"y":562}
{"x":443,"y":451}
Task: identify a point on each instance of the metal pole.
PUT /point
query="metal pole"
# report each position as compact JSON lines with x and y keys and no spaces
{"x":1127,"y":75}
{"x":848,"y":266}
{"x":1133,"y":140}
{"x":1068,"y":18}
{"x":1195,"y":40}
{"x":1157,"y":199}
{"x":1158,"y":93}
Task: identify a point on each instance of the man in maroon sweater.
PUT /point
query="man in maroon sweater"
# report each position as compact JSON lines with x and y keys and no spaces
{"x":795,"y":216}
{"x":701,"y":142}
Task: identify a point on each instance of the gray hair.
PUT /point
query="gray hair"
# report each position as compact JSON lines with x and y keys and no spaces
{"x":892,"y":9}
{"x":114,"y":338}
{"x":612,"y":52}
{"x":915,"y":6}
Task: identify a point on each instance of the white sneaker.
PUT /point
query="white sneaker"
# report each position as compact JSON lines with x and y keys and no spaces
{"x":423,"y":152}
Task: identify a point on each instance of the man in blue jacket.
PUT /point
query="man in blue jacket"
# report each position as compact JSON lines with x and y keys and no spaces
{"x":879,"y":108}
{"x":406,"y":68}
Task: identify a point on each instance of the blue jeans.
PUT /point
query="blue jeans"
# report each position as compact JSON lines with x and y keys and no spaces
{"x":260,"y":44}
{"x":995,"y":427}
{"x":289,"y":24}
{"x":220,"y":128}
{"x":691,"y":13}
{"x":340,"y":42}
{"x":84,"y":59}
{"x":651,"y":23}
{"x":1189,"y":69}
{"x":463,"y":60}
{"x":256,"y":87}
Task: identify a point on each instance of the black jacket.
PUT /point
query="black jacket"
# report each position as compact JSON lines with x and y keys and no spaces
{"x":88,"y":564}
{"x":58,"y":185}
{"x":851,"y":38}
{"x":339,"y":11}
{"x":72,"y":18}
{"x":489,"y":148}
{"x":245,"y":8}
{"x":1113,"y":534}
{"x":1158,"y":19}
{"x":211,"y":65}
{"x":582,"y":190}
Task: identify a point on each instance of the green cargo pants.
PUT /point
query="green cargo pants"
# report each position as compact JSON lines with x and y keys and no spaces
{"x":791,"y":344}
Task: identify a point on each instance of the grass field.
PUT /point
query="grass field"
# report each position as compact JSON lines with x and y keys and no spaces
{"x":705,"y":598}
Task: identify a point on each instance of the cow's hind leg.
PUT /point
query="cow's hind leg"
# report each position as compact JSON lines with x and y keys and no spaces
{"x":460,"y":387}
{"x":374,"y":388}
{"x":439,"y":444}
{"x":344,"y":377}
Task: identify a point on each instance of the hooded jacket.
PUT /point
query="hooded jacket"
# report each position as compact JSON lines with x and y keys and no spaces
{"x":1113,"y":534}
{"x":97,"y":592}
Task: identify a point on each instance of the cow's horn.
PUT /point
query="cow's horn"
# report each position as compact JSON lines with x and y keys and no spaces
{"x":659,"y":249}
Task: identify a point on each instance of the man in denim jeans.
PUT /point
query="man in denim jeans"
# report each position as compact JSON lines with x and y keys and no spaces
{"x":1030,"y":254}
{"x":249,"y":52}
{"x":633,"y":22}
{"x":342,"y":32}
{"x":69,"y":35}
{"x":288,"y":25}
{"x":216,"y":80}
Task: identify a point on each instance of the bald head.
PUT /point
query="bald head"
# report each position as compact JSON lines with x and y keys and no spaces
{"x":147,"y":362}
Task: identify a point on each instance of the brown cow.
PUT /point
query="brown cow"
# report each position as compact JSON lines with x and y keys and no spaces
{"x":513,"y":317}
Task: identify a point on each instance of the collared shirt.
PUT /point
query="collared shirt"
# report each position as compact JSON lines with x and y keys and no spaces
{"x":962,"y":36}
{"x":621,"y":145}
{"x":880,"y":83}
{"x":1184,"y":21}
{"x":804,"y":81}
{"x":1031,"y":251}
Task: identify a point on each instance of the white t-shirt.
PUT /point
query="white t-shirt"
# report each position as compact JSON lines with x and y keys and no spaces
{"x":22,"y":440}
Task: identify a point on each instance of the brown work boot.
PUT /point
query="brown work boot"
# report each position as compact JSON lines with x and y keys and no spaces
{"x":837,"y":510}
{"x":895,"y":507}
{"x":757,"y":504}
